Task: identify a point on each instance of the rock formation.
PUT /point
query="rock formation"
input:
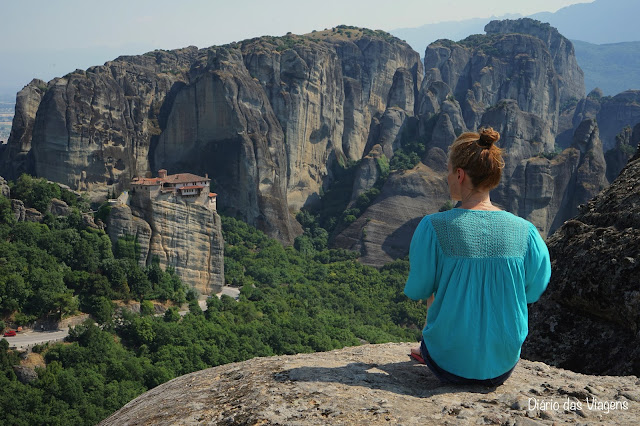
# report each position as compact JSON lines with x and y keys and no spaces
{"x":186,"y":236}
{"x":570,"y":76}
{"x":514,"y":79}
{"x":377,"y":384}
{"x":612,"y":113}
{"x":626,"y":144}
{"x":589,"y":317}
{"x":369,"y":171}
{"x":273,"y":119}
{"x":5,"y":191}
{"x":16,"y":156}
{"x":383,"y":232}
{"x":266,"y":118}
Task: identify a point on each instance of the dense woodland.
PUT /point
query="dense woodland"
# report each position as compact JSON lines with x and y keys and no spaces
{"x":293,"y":299}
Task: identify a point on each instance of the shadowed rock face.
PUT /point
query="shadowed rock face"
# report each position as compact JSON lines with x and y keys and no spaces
{"x":265,"y":118}
{"x":384,"y":230}
{"x":626,"y":143}
{"x":374,"y":384}
{"x":589,"y":318}
{"x":612,"y":113}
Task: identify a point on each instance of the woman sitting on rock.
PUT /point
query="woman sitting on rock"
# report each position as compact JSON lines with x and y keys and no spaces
{"x":478,"y":266}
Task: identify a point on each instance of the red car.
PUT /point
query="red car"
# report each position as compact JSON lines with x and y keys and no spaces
{"x":9,"y":333}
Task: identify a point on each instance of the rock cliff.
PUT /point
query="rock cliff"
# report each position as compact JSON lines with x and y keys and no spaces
{"x":514,"y":79}
{"x":589,"y":318}
{"x":186,"y":236}
{"x":570,"y":76}
{"x":266,"y":118}
{"x":383,"y":232}
{"x":5,"y":191}
{"x":271,"y":119}
{"x":612,"y":113}
{"x":377,"y":384}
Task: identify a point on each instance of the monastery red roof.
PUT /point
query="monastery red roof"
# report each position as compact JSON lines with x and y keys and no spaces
{"x":212,"y":194}
{"x":184,"y":178}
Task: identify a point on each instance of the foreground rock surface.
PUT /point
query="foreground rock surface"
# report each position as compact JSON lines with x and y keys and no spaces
{"x":376,"y":384}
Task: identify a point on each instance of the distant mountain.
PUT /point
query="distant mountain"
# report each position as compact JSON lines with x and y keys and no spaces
{"x":603,"y":21}
{"x":611,"y":67}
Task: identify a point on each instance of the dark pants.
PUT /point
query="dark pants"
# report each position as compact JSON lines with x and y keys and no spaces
{"x":447,"y":377}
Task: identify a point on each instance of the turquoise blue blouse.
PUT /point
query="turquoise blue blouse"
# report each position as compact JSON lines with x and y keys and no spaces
{"x":483,"y":267}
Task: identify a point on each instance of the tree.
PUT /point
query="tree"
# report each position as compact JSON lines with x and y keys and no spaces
{"x":127,"y":247}
{"x":6,"y":213}
{"x":172,"y":315}
{"x":146,"y":308}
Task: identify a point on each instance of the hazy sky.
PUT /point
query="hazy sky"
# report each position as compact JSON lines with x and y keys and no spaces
{"x":35,"y":31}
{"x":170,"y":24}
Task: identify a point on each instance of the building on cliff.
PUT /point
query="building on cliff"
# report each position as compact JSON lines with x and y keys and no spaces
{"x":174,"y":220}
{"x":182,"y":186}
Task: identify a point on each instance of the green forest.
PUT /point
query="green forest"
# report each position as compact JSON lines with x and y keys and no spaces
{"x":296,"y":299}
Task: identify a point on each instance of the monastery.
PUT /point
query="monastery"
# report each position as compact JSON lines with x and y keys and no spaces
{"x":185,"y":187}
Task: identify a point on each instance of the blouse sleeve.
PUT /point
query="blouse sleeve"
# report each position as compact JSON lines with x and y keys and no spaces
{"x":423,"y":258}
{"x":537,"y":266}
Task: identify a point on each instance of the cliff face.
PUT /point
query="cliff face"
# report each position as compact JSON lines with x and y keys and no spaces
{"x":377,"y":384}
{"x":612,"y":113}
{"x":15,"y":159}
{"x":514,"y":79}
{"x":90,"y":129}
{"x":266,"y":118}
{"x":570,"y":76}
{"x":589,"y":317}
{"x":184,"y":235}
{"x":482,"y":70}
{"x":383,"y":232}
{"x":270,"y":119}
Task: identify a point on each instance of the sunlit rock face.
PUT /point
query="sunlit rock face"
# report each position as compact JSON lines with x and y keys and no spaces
{"x":514,"y":79}
{"x":266,"y":118}
{"x":186,"y":236}
{"x":321,"y":388}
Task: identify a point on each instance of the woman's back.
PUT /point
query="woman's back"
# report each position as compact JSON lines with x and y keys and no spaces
{"x":484,"y":267}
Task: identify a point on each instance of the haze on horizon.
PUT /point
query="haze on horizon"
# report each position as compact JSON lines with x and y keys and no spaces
{"x":44,"y":40}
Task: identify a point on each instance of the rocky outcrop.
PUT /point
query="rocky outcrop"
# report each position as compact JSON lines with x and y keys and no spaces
{"x":266,"y":118}
{"x":369,"y":171}
{"x":59,"y":208}
{"x":377,"y":384}
{"x":589,"y":317}
{"x":5,"y":191}
{"x":626,"y":145}
{"x":122,"y":223}
{"x":570,"y":76}
{"x":383,"y":231}
{"x":613,"y":114}
{"x":522,"y":79}
{"x":485,"y":69}
{"x":25,"y":214}
{"x":16,"y":155}
{"x":186,"y":236}
{"x":25,"y":374}
{"x":623,"y":110}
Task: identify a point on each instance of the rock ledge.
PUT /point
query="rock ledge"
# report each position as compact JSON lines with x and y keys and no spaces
{"x":377,"y":384}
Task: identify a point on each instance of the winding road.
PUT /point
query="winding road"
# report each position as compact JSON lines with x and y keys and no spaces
{"x":24,"y":340}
